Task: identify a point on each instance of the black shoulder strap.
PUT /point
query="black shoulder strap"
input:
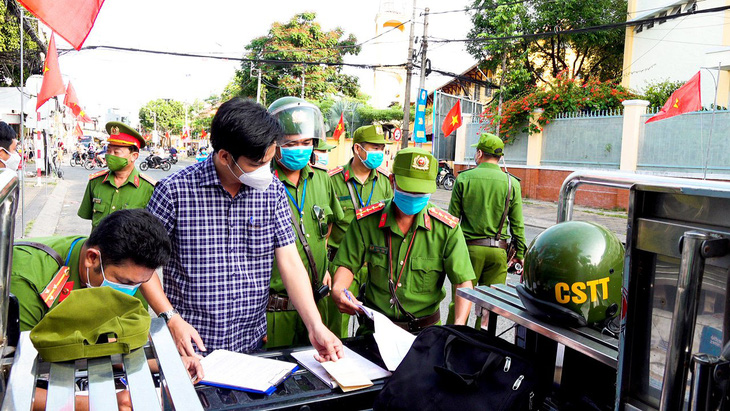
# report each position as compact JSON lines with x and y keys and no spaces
{"x":353,"y":197}
{"x":48,"y":250}
{"x":506,"y":207}
{"x":307,"y":250}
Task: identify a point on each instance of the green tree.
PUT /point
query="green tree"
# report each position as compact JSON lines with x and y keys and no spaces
{"x":299,"y":39}
{"x":597,"y":54}
{"x":33,"y":45}
{"x":170,"y":116}
{"x":658,"y":92}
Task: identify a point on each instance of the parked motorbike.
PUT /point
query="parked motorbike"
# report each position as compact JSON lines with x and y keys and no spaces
{"x":78,"y":159}
{"x":172,"y":158}
{"x":153,"y":161}
{"x":445,"y":178}
{"x":94,"y":162}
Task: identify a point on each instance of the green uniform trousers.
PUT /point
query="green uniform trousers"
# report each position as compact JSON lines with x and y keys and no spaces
{"x":490,"y":267}
{"x":286,"y":328}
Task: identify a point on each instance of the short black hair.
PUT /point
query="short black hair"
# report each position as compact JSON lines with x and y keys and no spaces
{"x":134,"y":235}
{"x":490,"y":155}
{"x":244,"y":128}
{"x":7,"y":134}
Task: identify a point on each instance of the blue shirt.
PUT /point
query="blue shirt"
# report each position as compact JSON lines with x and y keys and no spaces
{"x":222,"y":253}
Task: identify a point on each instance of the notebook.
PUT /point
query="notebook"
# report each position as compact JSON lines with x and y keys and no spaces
{"x":368,"y":369}
{"x":228,"y":369}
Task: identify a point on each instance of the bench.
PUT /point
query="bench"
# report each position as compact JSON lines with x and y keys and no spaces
{"x":177,"y":389}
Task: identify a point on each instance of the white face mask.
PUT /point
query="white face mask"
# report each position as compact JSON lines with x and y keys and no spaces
{"x":259,"y":179}
{"x":13,"y":161}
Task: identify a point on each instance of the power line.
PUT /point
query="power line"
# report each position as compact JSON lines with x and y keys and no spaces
{"x":586,"y":29}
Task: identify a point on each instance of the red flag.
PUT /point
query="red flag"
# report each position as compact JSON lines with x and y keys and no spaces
{"x":340,"y":127}
{"x":204,"y":134}
{"x":683,"y":100}
{"x":52,"y":82}
{"x":452,"y":120}
{"x":71,"y":19}
{"x":83,"y":117}
{"x":77,"y":131}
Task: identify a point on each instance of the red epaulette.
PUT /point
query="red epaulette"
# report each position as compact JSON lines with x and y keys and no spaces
{"x":98,"y":174}
{"x":383,"y":171}
{"x":148,"y":179}
{"x":443,"y":216}
{"x":54,"y":288}
{"x":366,"y":211}
{"x":335,"y":171}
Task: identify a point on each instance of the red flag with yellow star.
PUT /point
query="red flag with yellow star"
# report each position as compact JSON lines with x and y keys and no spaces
{"x":452,"y":120}
{"x":340,"y":127}
{"x":72,"y":102}
{"x":685,"y":99}
{"x":52,"y":82}
{"x":70,"y":19}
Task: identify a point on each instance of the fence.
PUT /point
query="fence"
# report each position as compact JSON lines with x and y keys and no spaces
{"x":591,"y":140}
{"x":445,"y":148}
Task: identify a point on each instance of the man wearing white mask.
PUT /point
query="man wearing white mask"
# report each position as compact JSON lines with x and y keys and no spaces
{"x":227,"y":219}
{"x":9,"y":157}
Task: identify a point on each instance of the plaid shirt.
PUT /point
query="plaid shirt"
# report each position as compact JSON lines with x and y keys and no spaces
{"x":223,"y":249}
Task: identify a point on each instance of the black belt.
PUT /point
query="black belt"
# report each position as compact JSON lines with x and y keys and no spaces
{"x":488,"y":242}
{"x":419,"y":323}
{"x":278,"y":303}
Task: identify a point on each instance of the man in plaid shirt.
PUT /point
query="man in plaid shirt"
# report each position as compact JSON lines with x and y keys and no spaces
{"x":227,"y":219}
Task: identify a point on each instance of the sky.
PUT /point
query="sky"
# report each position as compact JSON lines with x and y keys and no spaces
{"x":126,"y":80}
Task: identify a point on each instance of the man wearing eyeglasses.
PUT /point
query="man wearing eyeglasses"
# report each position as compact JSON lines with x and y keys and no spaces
{"x":313,"y":205}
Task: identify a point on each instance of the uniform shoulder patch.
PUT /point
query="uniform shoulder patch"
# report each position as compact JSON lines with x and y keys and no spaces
{"x":148,"y":179}
{"x":443,"y":216}
{"x":98,"y":174}
{"x":319,"y":167}
{"x":335,"y":171}
{"x":383,"y":171}
{"x":371,"y":209}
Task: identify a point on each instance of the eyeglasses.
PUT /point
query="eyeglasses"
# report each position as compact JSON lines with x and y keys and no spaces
{"x":321,"y":219}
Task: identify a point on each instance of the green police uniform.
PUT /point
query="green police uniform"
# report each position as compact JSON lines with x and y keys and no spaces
{"x":320,"y":207}
{"x":478,"y":199}
{"x":34,"y":277}
{"x":415,"y":262}
{"x":103,"y":197}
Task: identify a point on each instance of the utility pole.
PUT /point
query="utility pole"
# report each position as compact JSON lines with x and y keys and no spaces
{"x":302,"y":85}
{"x":22,"y":131}
{"x":409,"y":68}
{"x":424,"y":49}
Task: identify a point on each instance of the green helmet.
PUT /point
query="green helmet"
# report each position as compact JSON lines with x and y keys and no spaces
{"x":298,"y":117}
{"x":573,"y":274}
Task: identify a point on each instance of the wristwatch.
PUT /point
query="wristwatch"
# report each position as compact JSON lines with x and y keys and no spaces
{"x":167,"y":315}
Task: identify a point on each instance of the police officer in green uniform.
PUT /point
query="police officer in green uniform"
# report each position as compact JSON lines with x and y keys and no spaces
{"x":479,"y":199}
{"x":358,"y":184}
{"x":313,"y":206}
{"x":121,"y":186}
{"x":122,"y":252}
{"x":410,"y":246}
{"x":321,"y":154}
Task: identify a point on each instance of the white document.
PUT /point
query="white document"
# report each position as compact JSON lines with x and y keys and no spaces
{"x":369,"y":369}
{"x":234,"y":370}
{"x":393,"y":341}
{"x":347,"y":375}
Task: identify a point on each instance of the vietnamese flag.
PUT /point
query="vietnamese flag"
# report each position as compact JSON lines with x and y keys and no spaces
{"x":52,"y":82}
{"x":71,"y":19}
{"x":77,"y":131}
{"x":452,"y":120}
{"x":340,"y":127}
{"x":72,"y":102}
{"x":683,"y":100}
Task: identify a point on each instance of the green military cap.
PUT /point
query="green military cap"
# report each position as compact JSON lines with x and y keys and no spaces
{"x":415,"y":170}
{"x":121,"y":134}
{"x":369,"y":134}
{"x":92,"y":322}
{"x":490,"y":144}
{"x":323,"y":146}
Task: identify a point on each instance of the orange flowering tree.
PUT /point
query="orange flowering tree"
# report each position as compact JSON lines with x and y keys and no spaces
{"x":563,"y":95}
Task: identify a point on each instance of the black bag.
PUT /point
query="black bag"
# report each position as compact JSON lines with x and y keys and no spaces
{"x":455,"y":367}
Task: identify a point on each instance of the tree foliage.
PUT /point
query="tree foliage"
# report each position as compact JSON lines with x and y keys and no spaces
{"x":299,"y":39}
{"x":597,"y":54}
{"x":658,"y":92}
{"x":170,"y":115}
{"x":33,"y":46}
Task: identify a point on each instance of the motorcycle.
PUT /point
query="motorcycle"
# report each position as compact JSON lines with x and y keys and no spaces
{"x":172,"y":158}
{"x":445,"y":178}
{"x":153,"y":161}
{"x":94,"y":162}
{"x":78,"y":159}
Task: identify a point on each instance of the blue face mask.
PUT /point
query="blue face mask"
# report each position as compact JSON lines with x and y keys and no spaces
{"x":410,"y":204}
{"x":373,"y":159}
{"x":322,"y":158}
{"x":126,"y":289}
{"x":295,"y":158}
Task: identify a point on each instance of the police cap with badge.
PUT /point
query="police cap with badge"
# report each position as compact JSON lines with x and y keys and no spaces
{"x":121,"y":134}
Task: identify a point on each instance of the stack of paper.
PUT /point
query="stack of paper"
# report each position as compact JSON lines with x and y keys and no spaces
{"x":245,"y":372}
{"x":366,"y":369}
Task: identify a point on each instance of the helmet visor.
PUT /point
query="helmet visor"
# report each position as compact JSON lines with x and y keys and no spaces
{"x":301,"y":121}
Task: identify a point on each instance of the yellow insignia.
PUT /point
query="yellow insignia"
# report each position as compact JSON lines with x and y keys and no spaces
{"x":443,"y":216}
{"x":420,"y":163}
{"x":335,"y":171}
{"x":366,"y":211}
{"x":53,"y":289}
{"x":148,"y":179}
{"x":98,"y":174}
{"x":115,"y":131}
